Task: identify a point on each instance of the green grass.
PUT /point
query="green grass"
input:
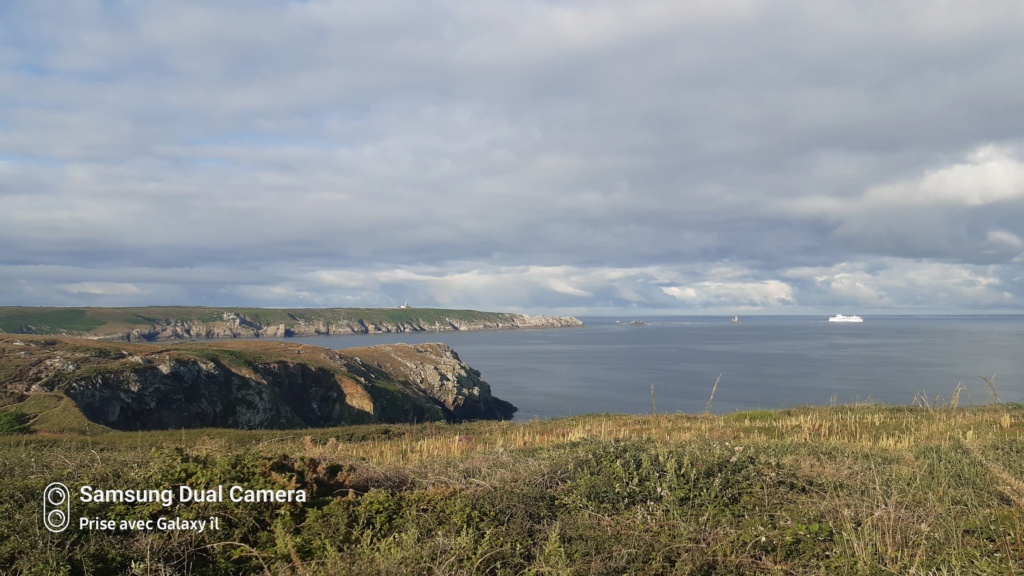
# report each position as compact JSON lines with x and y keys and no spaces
{"x":50,"y":414}
{"x":831,"y":490}
{"x":13,"y":422}
{"x":66,"y":418}
{"x":39,"y":403}
{"x":17,"y":320}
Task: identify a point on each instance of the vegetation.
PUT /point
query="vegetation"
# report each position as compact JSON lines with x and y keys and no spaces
{"x":114,"y":322}
{"x":46,"y":320}
{"x":63,"y":382}
{"x":13,"y":423}
{"x":832,"y":490}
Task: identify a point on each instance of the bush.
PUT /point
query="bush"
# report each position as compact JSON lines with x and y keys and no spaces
{"x":14,"y":423}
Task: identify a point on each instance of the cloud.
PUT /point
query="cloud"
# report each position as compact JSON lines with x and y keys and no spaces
{"x":966,"y":211}
{"x":103,"y":289}
{"x":599,"y":156}
{"x":742,"y":295}
{"x":894,"y":283}
{"x":1004,"y":240}
{"x":988,"y":175}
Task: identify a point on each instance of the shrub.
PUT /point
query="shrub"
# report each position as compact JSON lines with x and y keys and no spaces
{"x":14,"y":423}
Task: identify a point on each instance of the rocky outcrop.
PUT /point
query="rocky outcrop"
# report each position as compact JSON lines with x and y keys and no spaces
{"x":249,"y":384}
{"x":437,"y":371}
{"x":196,"y":393}
{"x":235,"y":325}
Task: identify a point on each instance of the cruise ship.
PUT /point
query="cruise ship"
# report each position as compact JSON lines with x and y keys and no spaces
{"x":841,"y":318}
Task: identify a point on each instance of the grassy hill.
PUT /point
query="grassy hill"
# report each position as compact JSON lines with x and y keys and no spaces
{"x":831,"y":490}
{"x":177,"y":322}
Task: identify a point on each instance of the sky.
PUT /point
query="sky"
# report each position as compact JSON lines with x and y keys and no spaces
{"x":599,"y":157}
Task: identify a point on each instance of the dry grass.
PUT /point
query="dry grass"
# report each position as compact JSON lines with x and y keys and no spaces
{"x":867,"y":489}
{"x":859,"y":427}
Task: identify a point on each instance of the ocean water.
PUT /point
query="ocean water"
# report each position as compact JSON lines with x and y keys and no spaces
{"x":764,"y":362}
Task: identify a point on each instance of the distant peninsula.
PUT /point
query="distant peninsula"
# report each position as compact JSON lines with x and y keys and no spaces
{"x":164,"y":323}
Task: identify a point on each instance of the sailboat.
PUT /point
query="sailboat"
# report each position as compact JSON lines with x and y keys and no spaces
{"x":735,"y":319}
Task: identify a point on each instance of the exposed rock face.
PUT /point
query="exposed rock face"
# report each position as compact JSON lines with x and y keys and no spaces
{"x":194,"y":393}
{"x":250,"y":384}
{"x":239,"y":326}
{"x":439,"y":372}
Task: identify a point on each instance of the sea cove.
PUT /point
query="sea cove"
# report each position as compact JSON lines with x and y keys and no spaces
{"x":764,"y":362}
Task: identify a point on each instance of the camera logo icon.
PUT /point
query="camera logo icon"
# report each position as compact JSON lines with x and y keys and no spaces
{"x":56,"y":507}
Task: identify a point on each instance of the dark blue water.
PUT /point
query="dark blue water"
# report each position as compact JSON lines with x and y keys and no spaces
{"x":764,"y":362}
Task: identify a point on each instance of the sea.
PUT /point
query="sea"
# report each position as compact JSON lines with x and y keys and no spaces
{"x":672,"y":364}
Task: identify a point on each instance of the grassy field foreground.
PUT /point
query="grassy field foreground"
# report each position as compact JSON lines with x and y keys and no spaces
{"x":829,"y":490}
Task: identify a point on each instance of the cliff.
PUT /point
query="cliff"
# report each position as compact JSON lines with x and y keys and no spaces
{"x":243,"y":384}
{"x":186,"y":323}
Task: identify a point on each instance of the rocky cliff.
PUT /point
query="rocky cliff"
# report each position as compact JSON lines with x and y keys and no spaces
{"x":234,"y":325}
{"x":190,"y":323}
{"x":246,"y":384}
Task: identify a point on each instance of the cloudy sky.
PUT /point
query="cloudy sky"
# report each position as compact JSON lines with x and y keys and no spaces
{"x":538,"y":156}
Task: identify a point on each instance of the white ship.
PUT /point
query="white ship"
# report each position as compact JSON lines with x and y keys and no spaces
{"x":841,"y":318}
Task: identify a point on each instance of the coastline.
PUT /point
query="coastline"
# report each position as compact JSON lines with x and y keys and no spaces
{"x":170,"y":323}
